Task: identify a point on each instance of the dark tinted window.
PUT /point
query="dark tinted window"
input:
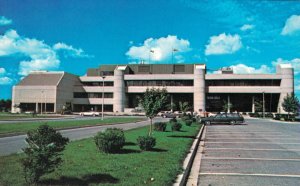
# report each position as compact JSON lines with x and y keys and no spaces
{"x":245,"y":82}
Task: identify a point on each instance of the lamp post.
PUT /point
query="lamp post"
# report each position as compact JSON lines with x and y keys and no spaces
{"x":173,"y":50}
{"x":263,"y":104}
{"x":45,"y":110}
{"x":42,"y":92}
{"x":103,"y":77}
{"x":150,"y":51}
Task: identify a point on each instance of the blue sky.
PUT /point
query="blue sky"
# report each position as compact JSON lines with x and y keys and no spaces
{"x":72,"y":36}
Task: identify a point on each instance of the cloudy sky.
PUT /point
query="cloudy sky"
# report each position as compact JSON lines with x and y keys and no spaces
{"x":63,"y":35}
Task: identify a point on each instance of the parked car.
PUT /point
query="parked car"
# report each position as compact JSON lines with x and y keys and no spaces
{"x":161,"y":113}
{"x":168,"y":115}
{"x":89,"y":113}
{"x":178,"y":114}
{"x":231,"y":118}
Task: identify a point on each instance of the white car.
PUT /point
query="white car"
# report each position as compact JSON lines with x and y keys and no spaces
{"x":89,"y":113}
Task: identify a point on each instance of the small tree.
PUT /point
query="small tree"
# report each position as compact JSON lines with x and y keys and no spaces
{"x":153,"y":101}
{"x":171,"y":106}
{"x":42,"y":155}
{"x":184,"y":106}
{"x":226,"y":106}
{"x":258,"y":105}
{"x":290,"y":104}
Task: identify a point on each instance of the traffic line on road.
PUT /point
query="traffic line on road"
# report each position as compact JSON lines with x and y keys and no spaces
{"x":240,"y":132}
{"x":256,"y":142}
{"x":237,"y":136}
{"x":247,"y":174}
{"x":259,"y":159}
{"x":247,"y":149}
{"x":251,"y":138}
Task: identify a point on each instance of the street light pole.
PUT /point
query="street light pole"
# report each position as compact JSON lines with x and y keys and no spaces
{"x":173,"y":50}
{"x":42,"y":92}
{"x":151,"y":51}
{"x":263,"y":104}
{"x":45,"y":110}
{"x":103,"y":77}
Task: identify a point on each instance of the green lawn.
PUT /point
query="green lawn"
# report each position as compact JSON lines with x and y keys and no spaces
{"x":84,"y":165}
{"x":10,"y":116}
{"x":24,"y":127}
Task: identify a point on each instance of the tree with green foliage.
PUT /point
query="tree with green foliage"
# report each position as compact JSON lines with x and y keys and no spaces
{"x":226,"y":106}
{"x":43,"y":153}
{"x":5,"y":105}
{"x":171,"y":106}
{"x":290,"y":104}
{"x":153,"y":101}
{"x":184,"y":106}
{"x":258,"y":103}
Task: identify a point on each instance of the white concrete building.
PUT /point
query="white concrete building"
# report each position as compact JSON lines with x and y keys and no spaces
{"x":124,"y":84}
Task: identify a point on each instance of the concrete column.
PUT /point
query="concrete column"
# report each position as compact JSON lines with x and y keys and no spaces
{"x":287,"y":83}
{"x":13,"y":109}
{"x":119,"y":91}
{"x":36,"y":107}
{"x":228,"y":103}
{"x":253,"y":104}
{"x":199,"y":88}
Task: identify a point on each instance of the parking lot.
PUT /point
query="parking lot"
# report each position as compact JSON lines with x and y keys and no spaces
{"x":261,"y":152}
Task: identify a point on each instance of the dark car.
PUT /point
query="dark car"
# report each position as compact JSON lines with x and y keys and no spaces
{"x":231,"y":118}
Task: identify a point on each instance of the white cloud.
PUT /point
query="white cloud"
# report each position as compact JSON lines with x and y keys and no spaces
{"x":223,"y":44}
{"x":41,"y":56}
{"x":69,"y":50}
{"x":2,"y":71}
{"x":294,"y":62}
{"x":162,"y":48}
{"x":246,"y":27}
{"x":5,"y":81}
{"x":244,"y":69}
{"x":292,"y":25}
{"x":5,"y":21}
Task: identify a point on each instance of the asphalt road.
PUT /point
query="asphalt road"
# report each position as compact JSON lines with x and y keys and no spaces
{"x":261,"y":152}
{"x":9,"y":145}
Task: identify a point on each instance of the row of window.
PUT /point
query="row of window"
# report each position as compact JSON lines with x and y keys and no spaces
{"x":160,"y":83}
{"x":92,"y":95}
{"x":271,"y":82}
{"x":106,"y":83}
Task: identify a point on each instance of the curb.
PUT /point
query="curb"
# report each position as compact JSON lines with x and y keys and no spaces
{"x":67,"y":128}
{"x":183,"y":178}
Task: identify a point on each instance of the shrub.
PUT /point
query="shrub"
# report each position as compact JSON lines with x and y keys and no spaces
{"x":188,"y":122}
{"x":146,"y":142}
{"x":173,"y":120}
{"x":43,"y":153}
{"x":111,"y":140}
{"x":176,"y":126}
{"x":160,"y":126}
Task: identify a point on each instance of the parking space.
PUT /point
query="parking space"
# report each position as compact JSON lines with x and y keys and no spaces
{"x":261,"y":152}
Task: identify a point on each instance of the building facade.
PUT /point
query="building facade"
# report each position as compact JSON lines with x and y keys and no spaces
{"x":122,"y":85}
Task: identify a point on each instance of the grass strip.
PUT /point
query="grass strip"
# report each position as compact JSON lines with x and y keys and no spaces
{"x":84,"y":165}
{"x":25,"y":126}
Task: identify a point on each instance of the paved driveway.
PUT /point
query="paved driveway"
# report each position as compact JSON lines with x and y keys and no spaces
{"x":14,"y":144}
{"x":260,"y":153}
